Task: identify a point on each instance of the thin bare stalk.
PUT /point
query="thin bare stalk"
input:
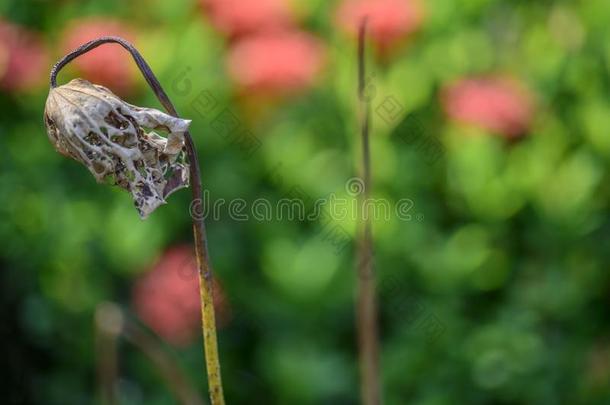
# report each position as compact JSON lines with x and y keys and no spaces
{"x":111,"y":322}
{"x":199,"y":231}
{"x":367,"y":301}
{"x":107,"y":330}
{"x":165,"y":363}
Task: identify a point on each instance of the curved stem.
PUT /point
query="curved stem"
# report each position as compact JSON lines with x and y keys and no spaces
{"x":367,"y":300}
{"x":199,"y":231}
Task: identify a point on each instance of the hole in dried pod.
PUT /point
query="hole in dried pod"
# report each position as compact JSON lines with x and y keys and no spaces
{"x":140,"y":166}
{"x":99,"y":167}
{"x":121,"y":182}
{"x":160,"y":130}
{"x":144,"y":189}
{"x":130,"y":140}
{"x":126,"y":139}
{"x":93,"y":139}
{"x":113,"y":119}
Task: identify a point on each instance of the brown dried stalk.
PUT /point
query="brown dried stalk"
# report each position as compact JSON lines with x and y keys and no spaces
{"x":199,"y":231}
{"x":367,"y":301}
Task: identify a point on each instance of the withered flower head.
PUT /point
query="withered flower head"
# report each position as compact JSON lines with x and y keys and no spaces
{"x":117,"y":142}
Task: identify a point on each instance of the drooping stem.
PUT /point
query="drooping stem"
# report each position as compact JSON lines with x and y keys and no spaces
{"x":112,"y":323}
{"x":367,"y":300}
{"x":199,"y":231}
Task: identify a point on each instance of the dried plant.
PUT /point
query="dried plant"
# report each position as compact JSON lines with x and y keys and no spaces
{"x":368,"y":341}
{"x":117,"y":142}
{"x":88,"y":123}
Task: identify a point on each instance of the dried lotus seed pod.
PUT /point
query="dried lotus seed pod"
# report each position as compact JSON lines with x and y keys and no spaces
{"x":117,"y":141}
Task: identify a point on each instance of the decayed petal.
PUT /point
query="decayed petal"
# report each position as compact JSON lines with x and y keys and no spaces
{"x":117,"y":141}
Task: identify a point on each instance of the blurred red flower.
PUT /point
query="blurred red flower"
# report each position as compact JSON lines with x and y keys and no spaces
{"x":109,"y":64}
{"x":24,"y":61}
{"x":496,"y":104}
{"x":238,"y":17}
{"x":389,"y":21}
{"x":166,"y":298}
{"x":275,"y":63}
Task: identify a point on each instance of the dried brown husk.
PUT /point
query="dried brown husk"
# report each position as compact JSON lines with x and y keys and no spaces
{"x":117,"y":141}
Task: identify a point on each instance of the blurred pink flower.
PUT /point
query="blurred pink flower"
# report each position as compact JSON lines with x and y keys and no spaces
{"x":109,"y":64}
{"x":166,"y":298}
{"x":276,"y":63}
{"x":24,"y":61}
{"x":389,"y":21}
{"x":238,"y":17}
{"x":495,"y":104}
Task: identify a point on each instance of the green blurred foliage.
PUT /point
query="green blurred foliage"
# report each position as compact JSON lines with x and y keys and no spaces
{"x":507,"y":249}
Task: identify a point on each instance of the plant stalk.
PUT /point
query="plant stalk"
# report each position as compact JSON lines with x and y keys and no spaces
{"x":112,"y":323}
{"x":199,"y":230}
{"x":107,"y":330}
{"x":367,"y":301}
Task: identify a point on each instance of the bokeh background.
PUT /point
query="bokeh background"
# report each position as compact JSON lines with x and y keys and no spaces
{"x":491,"y":116}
